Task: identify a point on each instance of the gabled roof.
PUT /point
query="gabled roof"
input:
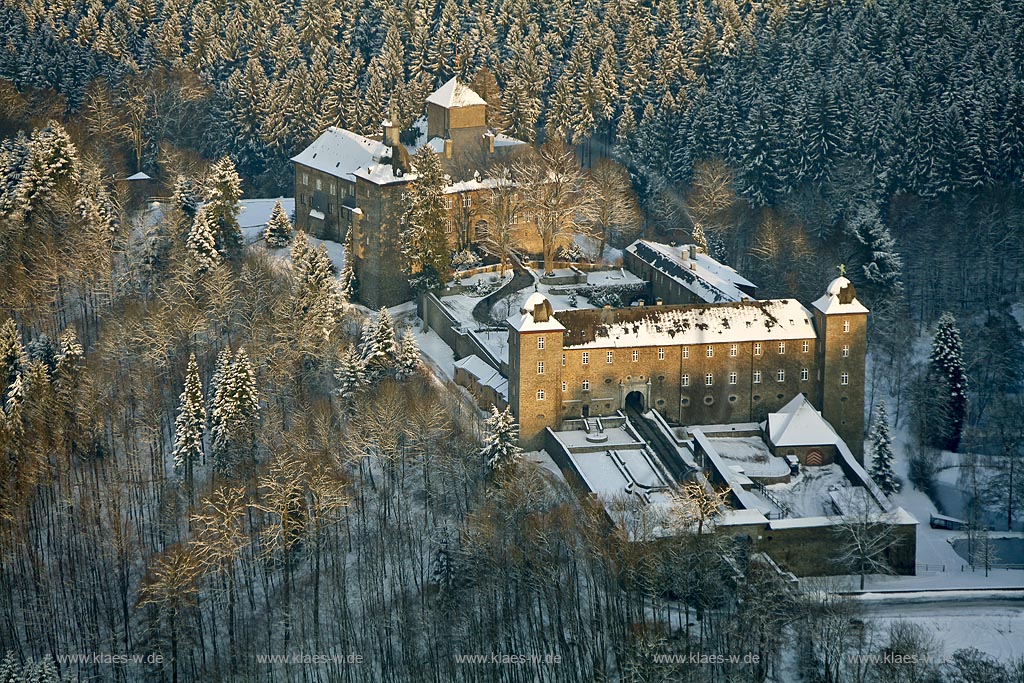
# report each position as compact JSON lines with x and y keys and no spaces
{"x":798,"y":424}
{"x":341,"y":153}
{"x":454,"y":94}
{"x":711,"y":281}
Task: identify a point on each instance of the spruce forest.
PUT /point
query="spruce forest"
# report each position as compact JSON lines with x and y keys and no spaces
{"x":211,"y":457}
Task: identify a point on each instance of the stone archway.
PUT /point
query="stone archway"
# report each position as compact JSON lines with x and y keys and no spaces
{"x":635,"y":400}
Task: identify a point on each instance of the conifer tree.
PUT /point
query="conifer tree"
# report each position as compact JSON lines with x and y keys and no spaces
{"x":347,"y":284}
{"x":223,"y":190}
{"x":501,"y":450}
{"x":52,"y":161}
{"x":380,"y":348}
{"x":278,"y":232}
{"x":351,"y":376}
{"x":425,"y":245}
{"x":235,"y":417}
{"x":408,"y":355}
{"x":947,"y":383}
{"x":881,"y":454}
{"x":201,"y":243}
{"x":190,"y":424}
{"x":186,"y":196}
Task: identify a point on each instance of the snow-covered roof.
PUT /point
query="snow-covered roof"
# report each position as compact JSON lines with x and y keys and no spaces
{"x":485,"y":375}
{"x":534,"y":307}
{"x":711,"y":281}
{"x":138,"y":176}
{"x":798,"y":424}
{"x":454,"y":94}
{"x":341,"y":153}
{"x":839,"y":297}
{"x":774,"y":319}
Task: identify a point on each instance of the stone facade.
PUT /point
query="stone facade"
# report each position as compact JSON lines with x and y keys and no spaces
{"x":698,"y":364}
{"x":347,"y":182}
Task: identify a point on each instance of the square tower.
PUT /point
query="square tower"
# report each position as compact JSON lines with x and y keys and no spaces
{"x":841,"y":321}
{"x":534,"y":370}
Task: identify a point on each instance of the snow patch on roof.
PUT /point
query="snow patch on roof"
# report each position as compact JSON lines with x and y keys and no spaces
{"x":775,"y":319}
{"x":341,"y":153}
{"x":799,"y":424}
{"x":829,"y":303}
{"x":710,"y":280}
{"x":138,"y":176}
{"x":455,"y":94}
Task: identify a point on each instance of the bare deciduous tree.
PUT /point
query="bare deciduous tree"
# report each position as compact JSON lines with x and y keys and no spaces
{"x":557,"y":192}
{"x":615,"y":210}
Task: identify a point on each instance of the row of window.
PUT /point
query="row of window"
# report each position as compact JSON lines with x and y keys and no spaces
{"x":710,"y":351}
{"x":709,"y":380}
{"x":635,"y":355}
{"x":350,"y":188}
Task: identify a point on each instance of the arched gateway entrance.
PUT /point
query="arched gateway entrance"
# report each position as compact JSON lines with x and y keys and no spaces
{"x":635,"y":401}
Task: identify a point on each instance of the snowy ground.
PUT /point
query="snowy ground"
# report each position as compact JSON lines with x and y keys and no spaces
{"x":807,"y":494}
{"x":993,"y":626}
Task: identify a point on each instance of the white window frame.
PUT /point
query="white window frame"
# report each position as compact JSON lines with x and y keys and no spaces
{"x":636,"y":356}
{"x":686,"y":352}
{"x":540,"y":367}
{"x":846,"y":351}
{"x":319,"y":185}
{"x":782,"y":348}
{"x":805,"y":374}
{"x":709,"y":379}
{"x":467,"y":201}
{"x":565,"y":386}
{"x":733,"y":350}
{"x":757,"y":349}
{"x":711,"y":351}
{"x":846,"y":326}
{"x":780,"y":376}
{"x":609,"y":357}
{"x":844,"y":379}
{"x":757,"y":376}
{"x":586,"y":358}
{"x":540,"y":394}
{"x":586,"y":385}
{"x":563,"y":360}
{"x":806,"y":346}
{"x":540,"y":343}
{"x":684,"y":381}
{"x":661,"y":354}
{"x":733,"y":377}
{"x":448,"y":203}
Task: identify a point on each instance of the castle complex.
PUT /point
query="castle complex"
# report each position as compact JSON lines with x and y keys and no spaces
{"x":708,"y":363}
{"x":345,"y":182}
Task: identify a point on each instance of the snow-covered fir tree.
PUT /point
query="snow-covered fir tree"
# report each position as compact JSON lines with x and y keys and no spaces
{"x":347,"y":284}
{"x":408,"y":355}
{"x":223,"y":190}
{"x":186,"y":196}
{"x":220,"y":371}
{"x":501,"y":450}
{"x":235,"y":416}
{"x":201,"y":243}
{"x":379,"y":346}
{"x":52,"y":161}
{"x":947,"y":384}
{"x":315,"y":289}
{"x":278,"y":232}
{"x":350,"y":375}
{"x":881,"y":453}
{"x":190,"y":424}
{"x":13,"y":363}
